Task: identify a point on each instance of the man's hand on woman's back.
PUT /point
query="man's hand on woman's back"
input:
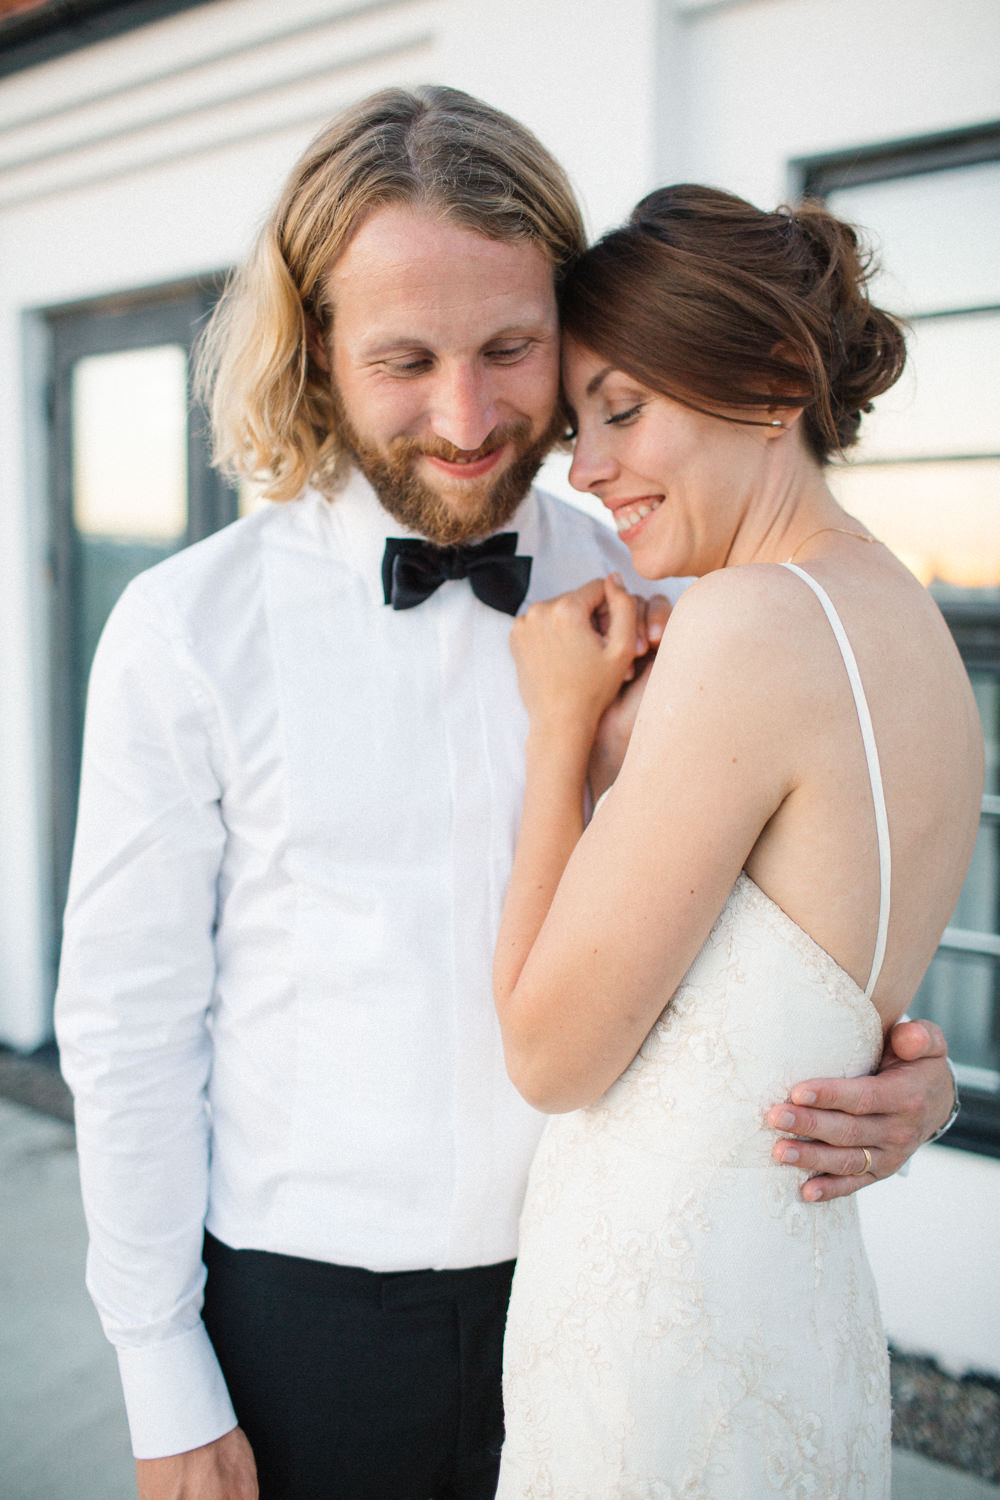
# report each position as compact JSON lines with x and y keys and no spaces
{"x":861,"y":1130}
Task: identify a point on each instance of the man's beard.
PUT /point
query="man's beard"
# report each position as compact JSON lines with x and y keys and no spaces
{"x":417,"y":506}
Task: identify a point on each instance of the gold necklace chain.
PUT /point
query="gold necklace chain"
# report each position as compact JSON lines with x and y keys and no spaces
{"x":840,"y":530}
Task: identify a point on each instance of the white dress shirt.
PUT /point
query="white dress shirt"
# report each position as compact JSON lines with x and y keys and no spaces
{"x":297,"y":819}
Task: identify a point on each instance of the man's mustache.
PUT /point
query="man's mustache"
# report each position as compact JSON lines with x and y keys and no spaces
{"x":404,"y":449}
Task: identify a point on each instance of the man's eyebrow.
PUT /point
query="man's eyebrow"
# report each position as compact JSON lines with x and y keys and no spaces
{"x":594,"y":384}
{"x":526,"y":328}
{"x":392,"y":344}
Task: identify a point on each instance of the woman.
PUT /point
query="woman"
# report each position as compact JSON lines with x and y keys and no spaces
{"x":758,"y":896}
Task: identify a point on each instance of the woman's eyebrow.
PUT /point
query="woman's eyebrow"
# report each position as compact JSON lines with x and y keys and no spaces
{"x":594,"y":383}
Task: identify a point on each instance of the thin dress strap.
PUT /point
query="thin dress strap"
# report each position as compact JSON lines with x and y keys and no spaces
{"x":874,"y":771}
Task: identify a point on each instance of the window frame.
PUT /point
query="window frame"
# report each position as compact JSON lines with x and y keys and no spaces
{"x":50,"y":29}
{"x":974,"y":624}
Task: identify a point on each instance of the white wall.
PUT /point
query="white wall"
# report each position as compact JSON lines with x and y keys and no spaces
{"x":764,"y":81}
{"x":581,"y":73}
{"x":933,"y":1238}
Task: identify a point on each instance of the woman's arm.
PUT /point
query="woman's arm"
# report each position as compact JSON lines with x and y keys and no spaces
{"x":569,"y":671}
{"x":599,"y":929}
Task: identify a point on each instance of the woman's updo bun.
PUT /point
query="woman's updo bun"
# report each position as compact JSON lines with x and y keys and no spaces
{"x":719,"y":304}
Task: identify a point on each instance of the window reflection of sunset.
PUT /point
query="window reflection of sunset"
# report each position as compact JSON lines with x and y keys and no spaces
{"x":942,"y":519}
{"x":935,"y":234}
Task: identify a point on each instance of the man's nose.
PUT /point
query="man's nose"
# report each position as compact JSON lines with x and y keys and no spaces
{"x":465,"y":409}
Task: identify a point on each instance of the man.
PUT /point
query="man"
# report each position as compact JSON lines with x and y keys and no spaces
{"x":303,"y":768}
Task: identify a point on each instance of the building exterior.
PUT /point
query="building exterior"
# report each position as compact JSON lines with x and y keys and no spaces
{"x":141,"y":143}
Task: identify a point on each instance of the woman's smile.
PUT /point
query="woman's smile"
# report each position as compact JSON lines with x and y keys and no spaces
{"x":628,"y":514}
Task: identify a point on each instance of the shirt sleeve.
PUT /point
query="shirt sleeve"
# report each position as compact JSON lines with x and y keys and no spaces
{"x":132,"y":1016}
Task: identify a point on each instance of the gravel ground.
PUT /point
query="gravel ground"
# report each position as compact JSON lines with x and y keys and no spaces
{"x":954,"y":1421}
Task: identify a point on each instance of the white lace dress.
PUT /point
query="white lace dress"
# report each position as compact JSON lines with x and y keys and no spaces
{"x":682,"y":1325}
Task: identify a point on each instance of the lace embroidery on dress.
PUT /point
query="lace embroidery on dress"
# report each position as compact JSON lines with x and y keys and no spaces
{"x":683,"y":1326}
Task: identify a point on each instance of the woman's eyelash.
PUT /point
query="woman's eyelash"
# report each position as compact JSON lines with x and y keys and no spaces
{"x":623,"y":416}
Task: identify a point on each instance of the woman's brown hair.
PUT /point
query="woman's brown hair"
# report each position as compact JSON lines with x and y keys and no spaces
{"x":719,"y":304}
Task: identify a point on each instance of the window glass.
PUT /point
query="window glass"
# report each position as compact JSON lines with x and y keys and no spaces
{"x":130,"y":478}
{"x":926,"y":474}
{"x":987,"y":691}
{"x":976,"y":910}
{"x":936,"y":235}
{"x":946,"y":402}
{"x":942,"y":519}
{"x":959,"y":992}
{"x":130,"y":444}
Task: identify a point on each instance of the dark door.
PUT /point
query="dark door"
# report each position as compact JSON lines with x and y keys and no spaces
{"x":130,"y":483}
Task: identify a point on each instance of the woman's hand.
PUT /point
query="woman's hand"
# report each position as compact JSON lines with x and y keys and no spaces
{"x":574,"y":652}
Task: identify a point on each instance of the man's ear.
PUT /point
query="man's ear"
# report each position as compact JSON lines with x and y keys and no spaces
{"x":316,"y":343}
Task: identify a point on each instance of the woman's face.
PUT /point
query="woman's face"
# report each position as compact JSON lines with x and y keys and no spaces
{"x":678,"y":482}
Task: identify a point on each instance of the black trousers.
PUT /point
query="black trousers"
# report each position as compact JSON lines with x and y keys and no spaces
{"x":353,"y":1385}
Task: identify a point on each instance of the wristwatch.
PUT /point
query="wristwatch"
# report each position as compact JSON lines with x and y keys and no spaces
{"x":954,"y":1109}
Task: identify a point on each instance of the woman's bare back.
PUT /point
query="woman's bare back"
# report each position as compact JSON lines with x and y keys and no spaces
{"x":817,"y":857}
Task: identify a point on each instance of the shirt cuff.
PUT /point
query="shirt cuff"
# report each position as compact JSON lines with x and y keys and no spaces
{"x":175,"y":1395}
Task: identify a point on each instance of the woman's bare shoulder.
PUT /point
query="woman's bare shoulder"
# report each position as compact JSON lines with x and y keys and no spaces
{"x":740,"y":610}
{"x":743,"y":647}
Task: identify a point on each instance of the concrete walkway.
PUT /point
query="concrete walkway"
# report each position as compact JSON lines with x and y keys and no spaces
{"x":62,"y":1428}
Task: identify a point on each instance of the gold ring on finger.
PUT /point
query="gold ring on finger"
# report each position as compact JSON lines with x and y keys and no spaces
{"x":867,"y":1165}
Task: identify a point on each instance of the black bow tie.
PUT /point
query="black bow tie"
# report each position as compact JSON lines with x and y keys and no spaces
{"x":412,"y":569}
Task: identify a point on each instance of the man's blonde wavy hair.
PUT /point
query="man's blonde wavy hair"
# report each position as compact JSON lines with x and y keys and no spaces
{"x":272,"y":411}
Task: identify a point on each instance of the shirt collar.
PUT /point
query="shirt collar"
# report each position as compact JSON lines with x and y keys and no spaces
{"x":359,"y":526}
